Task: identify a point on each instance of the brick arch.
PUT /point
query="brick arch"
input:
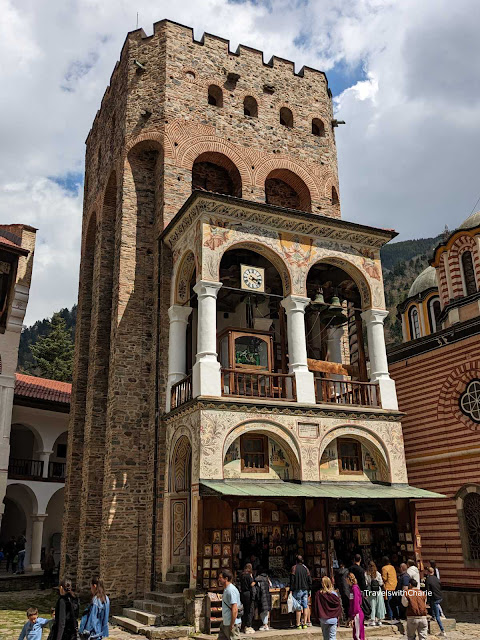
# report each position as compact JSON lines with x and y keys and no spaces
{"x":267,"y":165}
{"x":90,"y":231}
{"x":459,"y":246}
{"x":365,"y":436}
{"x":270,"y":254}
{"x":315,"y":116}
{"x":451,"y":390}
{"x":294,"y":182}
{"x":191,"y":148}
{"x":159,"y":140}
{"x":222,"y":161}
{"x":186,"y":269}
{"x":352,"y":270}
{"x":330,"y":182}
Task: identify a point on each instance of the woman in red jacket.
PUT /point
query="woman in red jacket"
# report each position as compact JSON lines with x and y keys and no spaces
{"x":329,"y":609}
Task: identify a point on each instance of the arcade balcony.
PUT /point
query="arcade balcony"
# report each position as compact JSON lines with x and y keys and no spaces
{"x":271,"y":316}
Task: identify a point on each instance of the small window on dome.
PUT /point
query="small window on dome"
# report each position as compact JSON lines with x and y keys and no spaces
{"x":468,"y":273}
{"x":414,"y":323}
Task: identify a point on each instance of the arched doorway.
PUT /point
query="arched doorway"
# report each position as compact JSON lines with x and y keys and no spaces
{"x":180,"y":483}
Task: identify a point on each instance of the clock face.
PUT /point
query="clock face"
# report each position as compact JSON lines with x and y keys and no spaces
{"x":252,"y":278}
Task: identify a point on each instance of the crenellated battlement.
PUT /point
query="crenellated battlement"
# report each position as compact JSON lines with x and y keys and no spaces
{"x":219,"y":44}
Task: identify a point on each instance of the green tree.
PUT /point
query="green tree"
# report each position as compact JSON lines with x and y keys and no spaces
{"x":53,"y":352}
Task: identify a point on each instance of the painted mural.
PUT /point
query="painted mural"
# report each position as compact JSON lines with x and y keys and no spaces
{"x":280,"y":466}
{"x":330,"y":470}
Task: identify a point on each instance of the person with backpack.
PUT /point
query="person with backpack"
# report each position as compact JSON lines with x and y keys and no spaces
{"x":359,"y":572}
{"x":65,"y":626}
{"x":343,"y":588}
{"x":94,"y":623}
{"x":375,"y":595}
{"x":247,"y":597}
{"x":355,"y":612}
{"x":263,"y":597}
{"x":300,"y":586}
{"x":415,"y":602}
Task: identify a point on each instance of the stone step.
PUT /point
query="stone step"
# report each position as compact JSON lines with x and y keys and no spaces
{"x":180,"y":567}
{"x":139,"y":615}
{"x":176,"y":576}
{"x":166,"y":598}
{"x":167,"y":633}
{"x":131,"y":625}
{"x":159,"y":608}
{"x":172,"y":587}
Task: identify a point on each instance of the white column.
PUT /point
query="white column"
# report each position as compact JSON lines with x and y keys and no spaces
{"x":37,"y":535}
{"x":45,"y":457}
{"x":297,"y":347}
{"x":206,"y":370}
{"x":177,"y":346}
{"x":7,"y":384}
{"x":377,"y":353}
{"x":334,"y":347}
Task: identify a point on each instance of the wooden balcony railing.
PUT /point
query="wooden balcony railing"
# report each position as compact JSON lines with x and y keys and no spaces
{"x":57,"y":471}
{"x":347,"y":392}
{"x":258,"y":384}
{"x":26,"y":469}
{"x":181,"y":392}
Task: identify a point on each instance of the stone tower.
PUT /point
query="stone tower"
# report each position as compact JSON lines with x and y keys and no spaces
{"x":208,"y":168}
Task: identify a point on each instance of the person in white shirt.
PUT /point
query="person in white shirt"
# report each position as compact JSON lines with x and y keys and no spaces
{"x":413,"y":571}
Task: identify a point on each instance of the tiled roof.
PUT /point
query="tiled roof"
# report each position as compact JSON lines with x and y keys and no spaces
{"x":8,"y":244}
{"x":42,"y":389}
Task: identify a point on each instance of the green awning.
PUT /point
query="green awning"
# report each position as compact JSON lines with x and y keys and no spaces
{"x":259,"y":489}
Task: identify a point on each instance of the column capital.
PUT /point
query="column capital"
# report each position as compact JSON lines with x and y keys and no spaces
{"x":374,"y":315}
{"x":206,"y":289}
{"x":39,"y":517}
{"x":179,"y":313}
{"x":295,"y":303}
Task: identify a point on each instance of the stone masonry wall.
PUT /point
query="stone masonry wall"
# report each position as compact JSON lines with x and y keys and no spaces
{"x":154,"y":122}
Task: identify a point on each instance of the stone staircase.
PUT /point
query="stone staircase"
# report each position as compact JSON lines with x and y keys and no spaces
{"x":163,"y":607}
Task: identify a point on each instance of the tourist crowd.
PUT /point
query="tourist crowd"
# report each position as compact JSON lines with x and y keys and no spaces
{"x":361,"y":595}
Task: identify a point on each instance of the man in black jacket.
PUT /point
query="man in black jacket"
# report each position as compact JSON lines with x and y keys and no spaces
{"x":343,"y":587}
{"x":434,"y":596}
{"x":359,"y":572}
{"x":300,"y":586}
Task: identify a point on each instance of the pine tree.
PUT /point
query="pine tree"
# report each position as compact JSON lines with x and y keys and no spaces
{"x":54,"y":352}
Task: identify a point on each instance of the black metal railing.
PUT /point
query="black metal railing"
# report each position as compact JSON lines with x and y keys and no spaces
{"x":23,"y":468}
{"x":57,"y":471}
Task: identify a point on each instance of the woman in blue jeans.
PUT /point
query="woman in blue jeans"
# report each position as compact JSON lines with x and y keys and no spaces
{"x":94,"y":623}
{"x":328,"y":608}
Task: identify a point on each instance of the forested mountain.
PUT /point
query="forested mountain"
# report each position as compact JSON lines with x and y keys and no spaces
{"x":402,"y":262}
{"x":41,"y":328}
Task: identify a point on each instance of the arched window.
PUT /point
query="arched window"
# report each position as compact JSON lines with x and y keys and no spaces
{"x":215,"y":172}
{"x":471,"y":513}
{"x":318,"y":128}
{"x":250,"y":107}
{"x":335,"y":199}
{"x":414,"y":323}
{"x":434,"y":310}
{"x":285,"y":189}
{"x":215,"y":96}
{"x":468,"y":273}
{"x":286,"y":117}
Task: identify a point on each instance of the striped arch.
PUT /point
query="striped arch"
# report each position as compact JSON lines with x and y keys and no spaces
{"x":267,"y":166}
{"x":442,"y":274}
{"x":462,"y":244}
{"x":448,"y":404}
{"x":180,"y":472}
{"x":190,"y":149}
{"x":354,"y":272}
{"x":270,"y":254}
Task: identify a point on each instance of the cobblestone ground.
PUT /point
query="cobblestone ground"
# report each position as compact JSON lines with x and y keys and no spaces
{"x":13,"y":606}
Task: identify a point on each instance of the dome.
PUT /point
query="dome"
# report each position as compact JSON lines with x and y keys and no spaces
{"x":471,"y":221}
{"x":426,"y":280}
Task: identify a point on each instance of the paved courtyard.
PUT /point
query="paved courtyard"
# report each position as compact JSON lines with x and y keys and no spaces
{"x":14,"y":604}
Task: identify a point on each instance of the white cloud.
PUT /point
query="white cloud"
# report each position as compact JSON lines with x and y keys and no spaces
{"x":407,"y":155}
